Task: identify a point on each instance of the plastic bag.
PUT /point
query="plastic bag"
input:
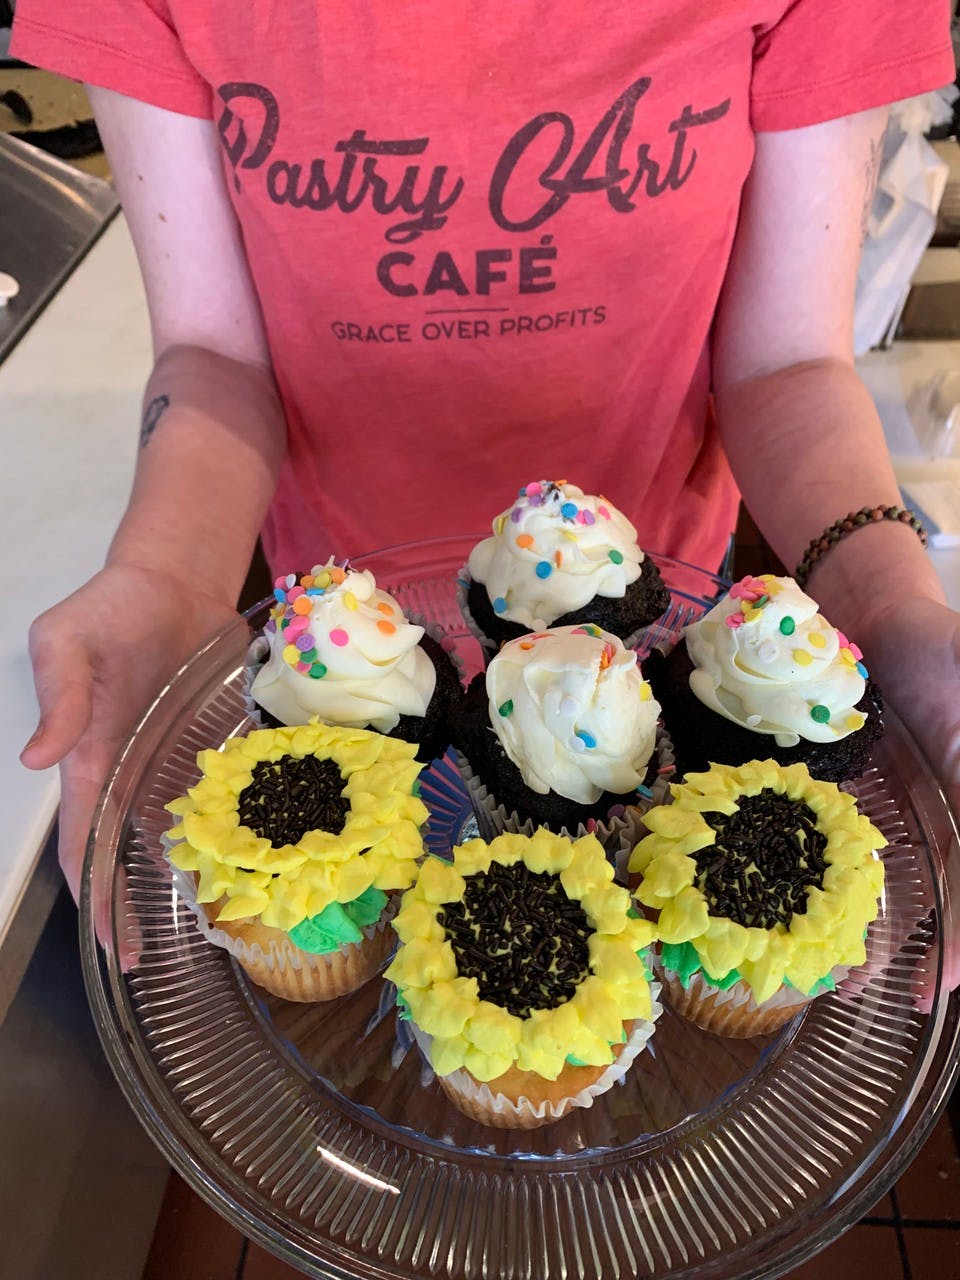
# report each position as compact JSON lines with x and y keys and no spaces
{"x":903,"y":216}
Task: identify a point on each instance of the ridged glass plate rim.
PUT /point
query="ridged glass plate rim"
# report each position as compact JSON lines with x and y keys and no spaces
{"x":213,"y":1176}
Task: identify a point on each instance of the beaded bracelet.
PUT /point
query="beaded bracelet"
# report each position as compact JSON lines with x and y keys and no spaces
{"x":819,"y":547}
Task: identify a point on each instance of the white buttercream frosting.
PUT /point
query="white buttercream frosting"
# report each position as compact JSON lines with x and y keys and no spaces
{"x":350,"y":658}
{"x":573,"y":712}
{"x":552,"y":551}
{"x":768,"y":660}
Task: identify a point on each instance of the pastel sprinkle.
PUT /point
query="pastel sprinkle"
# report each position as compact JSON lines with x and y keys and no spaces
{"x":665,"y":770}
{"x":307,"y":581}
{"x":499,"y":605}
{"x":339,"y":637}
{"x":280,"y":583}
{"x":615,"y":555}
{"x":526,"y":644}
{"x":569,"y":510}
{"x":294,"y":593}
{"x":580,"y":631}
{"x":787,"y":626}
{"x":280,"y":594}
{"x":318,"y":671}
{"x":316,"y":591}
{"x":863,"y":670}
{"x":350,"y":600}
{"x":820,"y":713}
{"x":337,"y":575}
{"x":296,"y":625}
{"x":558,"y":558}
{"x":734,"y":620}
{"x":544,"y":569}
{"x":291,"y":580}
{"x":602,"y":510}
{"x":817,"y":640}
{"x":498,"y":525}
{"x":505,"y":707}
{"x":302,"y":605}
{"x":645,"y":792}
{"x":322,"y":579}
{"x":386,"y":627}
{"x":568,"y":705}
{"x":524,"y":540}
{"x":854,"y":722}
{"x":304,"y":642}
{"x":577,"y":743}
{"x":645,"y":692}
{"x":516,"y":514}
{"x":589,"y":517}
{"x":847,"y":657}
{"x":291,"y":654}
{"x":587,"y":739}
{"x":303,"y":667}
{"x":802,"y":658}
{"x":383,"y":607}
{"x":533,"y":489}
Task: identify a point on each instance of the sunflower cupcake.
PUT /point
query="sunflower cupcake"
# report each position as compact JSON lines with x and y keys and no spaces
{"x":289,"y":847}
{"x":763,"y":882}
{"x":521,"y":969}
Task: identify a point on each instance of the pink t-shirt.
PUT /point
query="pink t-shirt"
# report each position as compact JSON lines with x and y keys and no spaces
{"x":488,"y":238}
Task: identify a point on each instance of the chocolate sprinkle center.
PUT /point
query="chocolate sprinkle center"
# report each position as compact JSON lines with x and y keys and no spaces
{"x":765,"y":857}
{"x":290,"y":796}
{"x":520,"y":936}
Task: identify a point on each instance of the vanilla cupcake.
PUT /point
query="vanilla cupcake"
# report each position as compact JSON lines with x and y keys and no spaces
{"x":763,"y":673}
{"x":339,"y":648}
{"x":562,"y":731}
{"x":763,"y":882}
{"x":521,"y":969}
{"x":289,"y":848}
{"x":557,"y":557}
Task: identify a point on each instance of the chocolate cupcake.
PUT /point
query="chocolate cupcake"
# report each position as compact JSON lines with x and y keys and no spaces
{"x":559,"y":557}
{"x":338,"y":647}
{"x":562,"y":731}
{"x":764,"y":674}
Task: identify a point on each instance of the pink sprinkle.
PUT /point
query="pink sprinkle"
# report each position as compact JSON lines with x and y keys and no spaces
{"x":281,"y":583}
{"x":294,"y":592}
{"x":734,"y":620}
{"x":591,"y":824}
{"x":533,"y":489}
{"x":856,"y":651}
{"x":581,"y":516}
{"x":748,"y":588}
{"x":297,"y":624}
{"x":580,"y":631}
{"x":339,"y":637}
{"x":603,"y":511}
{"x":303,"y":667}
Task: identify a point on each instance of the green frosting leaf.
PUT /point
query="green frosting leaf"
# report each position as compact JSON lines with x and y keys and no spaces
{"x":682,"y":959}
{"x":339,"y":924}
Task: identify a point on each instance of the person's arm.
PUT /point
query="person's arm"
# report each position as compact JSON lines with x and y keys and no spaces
{"x":802,"y":433}
{"x":211,"y":442}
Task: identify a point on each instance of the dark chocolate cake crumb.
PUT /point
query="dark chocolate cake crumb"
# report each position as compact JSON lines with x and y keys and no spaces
{"x":520,"y":936}
{"x":765,"y":857}
{"x":290,"y":796}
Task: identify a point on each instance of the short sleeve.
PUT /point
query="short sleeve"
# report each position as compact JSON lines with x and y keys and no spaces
{"x":822,"y":59}
{"x":127,"y":45}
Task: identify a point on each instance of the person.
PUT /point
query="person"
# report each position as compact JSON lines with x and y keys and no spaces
{"x":401,"y":258}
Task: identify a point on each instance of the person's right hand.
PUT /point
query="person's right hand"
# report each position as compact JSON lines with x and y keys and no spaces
{"x":99,"y":658}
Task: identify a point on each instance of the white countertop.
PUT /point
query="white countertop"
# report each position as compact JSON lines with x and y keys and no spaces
{"x":70,"y":397}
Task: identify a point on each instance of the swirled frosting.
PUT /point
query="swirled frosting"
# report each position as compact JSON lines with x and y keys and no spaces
{"x":552,"y":551}
{"x":341,"y":649}
{"x":766,"y":659}
{"x":573,"y":712}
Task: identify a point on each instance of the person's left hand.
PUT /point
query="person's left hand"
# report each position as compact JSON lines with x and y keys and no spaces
{"x":914,"y":655}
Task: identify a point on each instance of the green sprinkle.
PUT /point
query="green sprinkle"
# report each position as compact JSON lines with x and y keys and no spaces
{"x":308,"y":656}
{"x":820,"y":713}
{"x":787,"y":626}
{"x":616,"y":556}
{"x":317,"y":671}
{"x":506,"y":707}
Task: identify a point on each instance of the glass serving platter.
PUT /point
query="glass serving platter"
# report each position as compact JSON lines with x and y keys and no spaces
{"x":319,"y":1132}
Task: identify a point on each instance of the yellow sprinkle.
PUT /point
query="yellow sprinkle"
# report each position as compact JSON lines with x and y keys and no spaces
{"x":847,"y":656}
{"x":291,"y":654}
{"x":855,"y":721}
{"x":323,"y":579}
{"x":350,"y":600}
{"x":645,"y":694}
{"x":801,"y":657}
{"x":816,"y":640}
{"x":571,"y":537}
{"x":750,"y":613}
{"x":499,"y":525}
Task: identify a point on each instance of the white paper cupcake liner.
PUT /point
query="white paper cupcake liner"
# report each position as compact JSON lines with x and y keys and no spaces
{"x":734,"y":1011}
{"x":479,"y":1100}
{"x":493,"y":818}
{"x":284,"y":968}
{"x":491,"y":647}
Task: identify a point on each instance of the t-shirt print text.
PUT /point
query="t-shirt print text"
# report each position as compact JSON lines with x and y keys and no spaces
{"x":394,"y":178}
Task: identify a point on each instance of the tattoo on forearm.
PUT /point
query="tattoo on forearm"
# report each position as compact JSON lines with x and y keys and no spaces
{"x":151,"y":417}
{"x":872,"y":168}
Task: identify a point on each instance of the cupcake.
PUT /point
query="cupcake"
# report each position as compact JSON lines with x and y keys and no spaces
{"x":559,"y":557}
{"x":561,"y":731}
{"x":289,"y":847}
{"x":338,"y":647}
{"x":764,"y":674}
{"x":521,"y":969}
{"x":763,"y":881}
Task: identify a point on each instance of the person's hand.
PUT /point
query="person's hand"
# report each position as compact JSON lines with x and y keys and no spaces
{"x":915,"y":654}
{"x":99,"y":658}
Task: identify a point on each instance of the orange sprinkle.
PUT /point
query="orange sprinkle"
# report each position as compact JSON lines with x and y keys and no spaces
{"x":524,"y":540}
{"x":386,"y":627}
{"x":558,"y":558}
{"x":385,"y":608}
{"x":303,"y":604}
{"x":337,"y":575}
{"x":525,"y":644}
{"x":306,"y":581}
